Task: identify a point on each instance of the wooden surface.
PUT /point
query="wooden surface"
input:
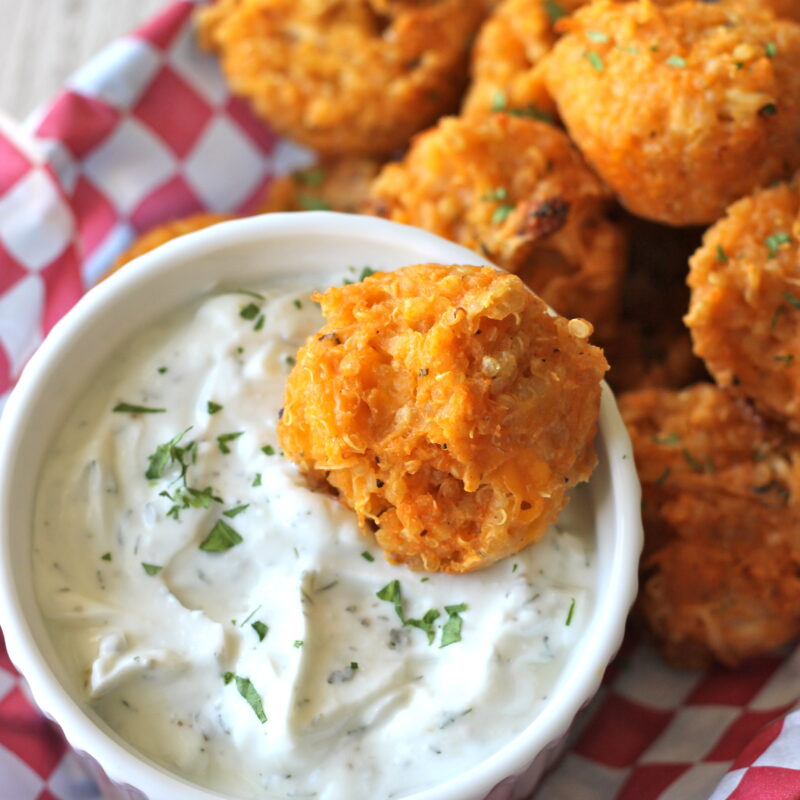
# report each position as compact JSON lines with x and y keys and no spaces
{"x":43,"y":41}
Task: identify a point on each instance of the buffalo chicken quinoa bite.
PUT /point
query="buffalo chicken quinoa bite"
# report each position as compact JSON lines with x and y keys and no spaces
{"x":720,"y":506}
{"x":681,"y":109}
{"x":449,"y":408}
{"x":518,"y":191}
{"x":347,"y":77}
{"x":744,"y":313}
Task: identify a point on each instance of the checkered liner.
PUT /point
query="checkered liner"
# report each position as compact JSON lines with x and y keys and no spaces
{"x":147,"y":132}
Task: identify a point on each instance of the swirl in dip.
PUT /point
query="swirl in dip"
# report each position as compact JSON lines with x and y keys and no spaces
{"x":238,"y":628}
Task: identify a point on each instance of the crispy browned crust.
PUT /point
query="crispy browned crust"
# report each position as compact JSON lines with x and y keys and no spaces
{"x":721,"y":571}
{"x":745,"y":303}
{"x":165,"y":233}
{"x":330,"y":185}
{"x":448,"y":408}
{"x":516,"y":190}
{"x":681,"y":109}
{"x":347,"y":77}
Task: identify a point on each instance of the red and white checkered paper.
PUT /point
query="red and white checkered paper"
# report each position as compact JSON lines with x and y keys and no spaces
{"x":148,"y":132}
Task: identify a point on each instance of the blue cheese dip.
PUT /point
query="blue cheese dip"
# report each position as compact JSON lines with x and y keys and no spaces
{"x":237,"y":627}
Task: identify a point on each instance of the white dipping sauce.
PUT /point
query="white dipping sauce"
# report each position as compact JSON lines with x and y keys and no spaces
{"x":184,"y":652}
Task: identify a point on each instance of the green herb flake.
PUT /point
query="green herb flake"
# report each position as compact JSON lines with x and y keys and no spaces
{"x":677,"y":62}
{"x":775,"y":241}
{"x":495,"y":195}
{"x":514,"y":567}
{"x":309,"y":202}
{"x":246,"y":689}
{"x":786,"y":360}
{"x":164,"y":455}
{"x":151,"y":569}
{"x":297,"y":304}
{"x":662,"y":478}
{"x":221,"y":538}
{"x":692,"y":461}
{"x":162,"y":370}
{"x":771,"y":49}
{"x":261,"y":629}
{"x":365,"y":273}
{"x":256,"y":480}
{"x":451,"y":631}
{"x":313,"y":176}
{"x":106,"y":557}
{"x":554,"y":10}
{"x":426,"y":624}
{"x":259,"y":323}
{"x":597,"y":36}
{"x":222,"y":440}
{"x":768,"y":110}
{"x":249,"y":312}
{"x":502,"y":212}
{"x":354,"y":665}
{"x":367,"y":556}
{"x":213,"y":407}
{"x":793,"y":301}
{"x":779,"y":312}
{"x":722,"y":256}
{"x":268,"y":450}
{"x":298,"y":643}
{"x":392,"y":593}
{"x":595,"y":60}
{"x":130,"y":408}
{"x":291,"y":361}
{"x":667,"y":440}
{"x":234,"y":512}
{"x":570,"y":613}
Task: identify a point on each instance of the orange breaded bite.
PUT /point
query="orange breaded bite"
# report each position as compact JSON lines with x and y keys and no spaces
{"x":722,"y":551}
{"x":518,"y":191}
{"x":330,"y":185}
{"x":745,"y":300}
{"x":165,"y":233}
{"x":681,"y":109}
{"x":509,"y":46}
{"x":346,"y":77}
{"x":449,"y":409}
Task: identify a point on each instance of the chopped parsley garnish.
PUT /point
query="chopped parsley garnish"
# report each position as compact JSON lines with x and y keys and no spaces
{"x":595,"y":60}
{"x":787,"y":360}
{"x":298,"y":643}
{"x":365,"y":273}
{"x":297,"y":304}
{"x":676,"y":61}
{"x":426,"y":624}
{"x":779,"y":312}
{"x":106,"y":557}
{"x":259,"y":323}
{"x":256,"y":480}
{"x":313,"y":176}
{"x":246,"y":689}
{"x":570,"y":613}
{"x":221,"y":538}
{"x":151,"y":569}
{"x":514,"y":567}
{"x":771,"y":49}
{"x":392,"y":593}
{"x":249,"y":312}
{"x":223,"y":440}
{"x":162,"y":370}
{"x":722,"y":256}
{"x":367,"y":556}
{"x":669,"y":439}
{"x":261,"y":629}
{"x":663,"y":476}
{"x":129,"y":408}
{"x":290,"y":360}
{"x":168,"y":453}
{"x":694,"y":463}
{"x":554,"y":10}
{"x":213,"y":407}
{"x":268,"y":450}
{"x":234,"y":512}
{"x":187,"y":497}
{"x":775,"y":241}
{"x":502,"y":212}
{"x":597,"y":36}
{"x":793,"y":301}
{"x":768,"y":110}
{"x":309,"y":202}
{"x":451,"y":631}
{"x":495,"y":195}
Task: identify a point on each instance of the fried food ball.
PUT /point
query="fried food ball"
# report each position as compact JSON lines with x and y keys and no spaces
{"x":681,"y":109}
{"x":346,"y":77}
{"x":518,"y":191}
{"x":331,"y":185}
{"x":449,"y":409}
{"x":505,"y":58}
{"x":721,"y":569}
{"x":744,"y":313}
{"x":165,"y":233}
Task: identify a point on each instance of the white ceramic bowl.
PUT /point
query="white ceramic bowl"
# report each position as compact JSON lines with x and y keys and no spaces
{"x":251,"y":251}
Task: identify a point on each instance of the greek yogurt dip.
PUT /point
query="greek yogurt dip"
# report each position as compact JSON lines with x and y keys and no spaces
{"x":237,"y":627}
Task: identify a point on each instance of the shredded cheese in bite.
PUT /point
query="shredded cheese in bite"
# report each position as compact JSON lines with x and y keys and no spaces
{"x":449,"y":408}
